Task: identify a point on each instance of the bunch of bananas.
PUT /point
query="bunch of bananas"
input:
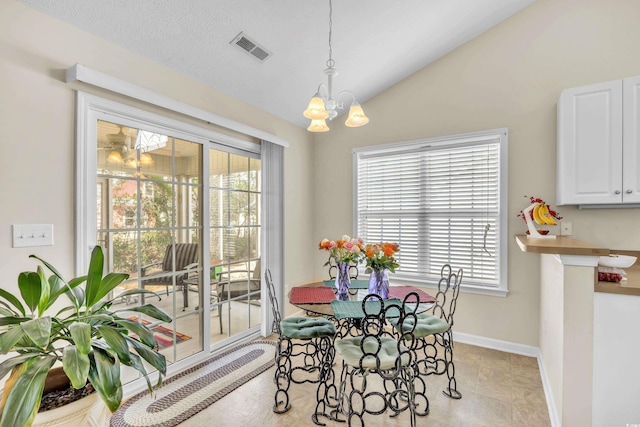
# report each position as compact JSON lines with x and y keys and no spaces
{"x":542,"y":216}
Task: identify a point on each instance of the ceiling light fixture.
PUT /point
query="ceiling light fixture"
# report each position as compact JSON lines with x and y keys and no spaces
{"x":326,"y":107}
{"x":114,"y":157}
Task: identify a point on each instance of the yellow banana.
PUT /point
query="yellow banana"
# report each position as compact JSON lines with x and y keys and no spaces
{"x":546,"y":216}
{"x":536,"y":214}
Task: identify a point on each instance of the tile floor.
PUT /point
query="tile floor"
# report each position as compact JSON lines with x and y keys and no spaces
{"x":498,"y":390}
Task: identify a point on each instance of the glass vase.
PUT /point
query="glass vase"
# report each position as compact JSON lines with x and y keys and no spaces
{"x":379,"y":283}
{"x":343,"y":281}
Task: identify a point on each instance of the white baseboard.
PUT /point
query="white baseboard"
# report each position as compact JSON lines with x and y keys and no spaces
{"x":553,"y":411}
{"x":525,"y":350}
{"x":509,"y":347}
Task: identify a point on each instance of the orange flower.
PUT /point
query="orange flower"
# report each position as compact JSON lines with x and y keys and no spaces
{"x":324,"y":244}
{"x":390,"y":248}
{"x":379,"y":256}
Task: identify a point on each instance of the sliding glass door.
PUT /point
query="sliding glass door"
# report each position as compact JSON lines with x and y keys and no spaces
{"x":202,"y":257}
{"x":178,"y":208}
{"x":149,"y":224}
{"x":234,"y":227}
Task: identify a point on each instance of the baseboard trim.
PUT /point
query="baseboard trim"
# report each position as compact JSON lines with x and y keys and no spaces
{"x":548,"y":394}
{"x":525,"y":350}
{"x":509,"y":347}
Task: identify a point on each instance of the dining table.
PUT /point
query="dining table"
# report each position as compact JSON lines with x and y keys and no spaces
{"x":316,"y":298}
{"x":320,"y":299}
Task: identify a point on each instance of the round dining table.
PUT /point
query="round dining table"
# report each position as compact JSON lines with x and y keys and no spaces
{"x":316,"y":297}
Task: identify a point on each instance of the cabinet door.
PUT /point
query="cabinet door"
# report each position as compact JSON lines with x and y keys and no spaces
{"x":590,"y":145}
{"x":631,"y":140}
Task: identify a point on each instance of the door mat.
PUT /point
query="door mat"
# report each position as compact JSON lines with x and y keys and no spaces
{"x":184,"y":395}
{"x":163,"y":335}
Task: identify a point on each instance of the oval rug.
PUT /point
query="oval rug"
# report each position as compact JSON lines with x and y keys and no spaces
{"x":187,"y":393}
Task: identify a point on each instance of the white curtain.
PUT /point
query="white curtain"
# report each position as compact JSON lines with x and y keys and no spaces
{"x":272,"y":157}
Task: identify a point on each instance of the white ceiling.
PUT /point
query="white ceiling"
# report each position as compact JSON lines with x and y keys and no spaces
{"x":376,"y":43}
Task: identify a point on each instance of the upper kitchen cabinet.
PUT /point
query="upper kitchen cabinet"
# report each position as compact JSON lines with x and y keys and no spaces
{"x":598,"y":144}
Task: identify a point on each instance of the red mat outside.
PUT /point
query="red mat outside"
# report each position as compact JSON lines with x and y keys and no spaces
{"x":311,"y":295}
{"x":163,"y":335}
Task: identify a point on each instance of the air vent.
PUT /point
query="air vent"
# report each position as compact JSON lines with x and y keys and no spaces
{"x":250,"y":47}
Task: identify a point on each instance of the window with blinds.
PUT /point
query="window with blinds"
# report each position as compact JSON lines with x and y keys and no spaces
{"x":442,"y":200}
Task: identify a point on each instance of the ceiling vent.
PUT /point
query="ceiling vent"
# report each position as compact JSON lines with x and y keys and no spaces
{"x":250,"y":47}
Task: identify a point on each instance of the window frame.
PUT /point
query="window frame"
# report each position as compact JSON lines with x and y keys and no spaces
{"x":455,"y":140}
{"x":91,"y":108}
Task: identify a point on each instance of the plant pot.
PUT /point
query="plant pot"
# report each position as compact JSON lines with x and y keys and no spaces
{"x":87,"y":411}
{"x":79,"y":413}
{"x":56,"y":380}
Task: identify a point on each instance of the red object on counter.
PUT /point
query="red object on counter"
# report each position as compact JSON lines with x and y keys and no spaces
{"x":609,"y":277}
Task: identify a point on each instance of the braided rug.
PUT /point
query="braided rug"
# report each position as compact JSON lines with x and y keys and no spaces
{"x":184,"y":395}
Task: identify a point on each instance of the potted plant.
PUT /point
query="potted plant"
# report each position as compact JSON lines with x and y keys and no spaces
{"x":90,"y":339}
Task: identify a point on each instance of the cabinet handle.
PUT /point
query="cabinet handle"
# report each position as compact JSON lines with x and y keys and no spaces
{"x":617,"y":192}
{"x":629,"y":191}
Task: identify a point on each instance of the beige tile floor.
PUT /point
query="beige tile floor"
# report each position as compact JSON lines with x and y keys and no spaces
{"x":498,"y":390}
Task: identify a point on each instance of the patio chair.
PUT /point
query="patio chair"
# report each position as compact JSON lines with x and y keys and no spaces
{"x":233,"y":284}
{"x":186,"y":259}
{"x":309,"y":340}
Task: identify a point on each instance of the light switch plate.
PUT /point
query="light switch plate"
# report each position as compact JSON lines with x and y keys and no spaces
{"x":32,"y":235}
{"x":566,"y":228}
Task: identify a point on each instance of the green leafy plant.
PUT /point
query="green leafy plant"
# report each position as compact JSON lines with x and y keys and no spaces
{"x":90,"y":339}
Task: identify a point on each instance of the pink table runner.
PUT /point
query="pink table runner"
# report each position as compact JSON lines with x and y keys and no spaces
{"x":402,"y":291}
{"x":311,"y":295}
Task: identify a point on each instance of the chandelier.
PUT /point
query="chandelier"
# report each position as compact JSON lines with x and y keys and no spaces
{"x":325,"y":107}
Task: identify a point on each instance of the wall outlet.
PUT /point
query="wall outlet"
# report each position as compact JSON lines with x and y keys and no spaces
{"x":32,"y":235}
{"x":566,"y":228}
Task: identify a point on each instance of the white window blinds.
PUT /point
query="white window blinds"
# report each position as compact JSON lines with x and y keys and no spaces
{"x":440,"y":200}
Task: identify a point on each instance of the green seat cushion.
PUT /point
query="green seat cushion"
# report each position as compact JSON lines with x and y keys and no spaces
{"x":349,"y":349}
{"x":427,"y":324}
{"x":307,"y":327}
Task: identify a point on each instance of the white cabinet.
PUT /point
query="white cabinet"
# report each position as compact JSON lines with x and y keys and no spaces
{"x":599,"y":144}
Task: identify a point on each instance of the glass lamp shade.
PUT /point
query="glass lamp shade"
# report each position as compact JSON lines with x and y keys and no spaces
{"x":356,"y":116}
{"x":146,"y":159}
{"x":316,"y":110}
{"x":114,"y":157}
{"x":318,"y":126}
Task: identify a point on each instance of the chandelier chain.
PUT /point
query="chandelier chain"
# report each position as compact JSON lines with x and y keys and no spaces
{"x":330,"y":62}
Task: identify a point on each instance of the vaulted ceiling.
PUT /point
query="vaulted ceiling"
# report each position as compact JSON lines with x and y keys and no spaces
{"x":375,"y":43}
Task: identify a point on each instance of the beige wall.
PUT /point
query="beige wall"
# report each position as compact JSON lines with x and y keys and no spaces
{"x":37,"y":146}
{"x":510,"y":76}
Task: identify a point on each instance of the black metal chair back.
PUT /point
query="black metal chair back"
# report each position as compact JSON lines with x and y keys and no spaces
{"x":447,"y":296}
{"x":381,"y":352}
{"x":273,"y":301}
{"x":333,"y":269}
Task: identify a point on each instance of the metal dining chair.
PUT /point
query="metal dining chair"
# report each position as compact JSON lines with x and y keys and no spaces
{"x":377,"y":351}
{"x":333,"y":269}
{"x":309,"y":340}
{"x":433,"y":332}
